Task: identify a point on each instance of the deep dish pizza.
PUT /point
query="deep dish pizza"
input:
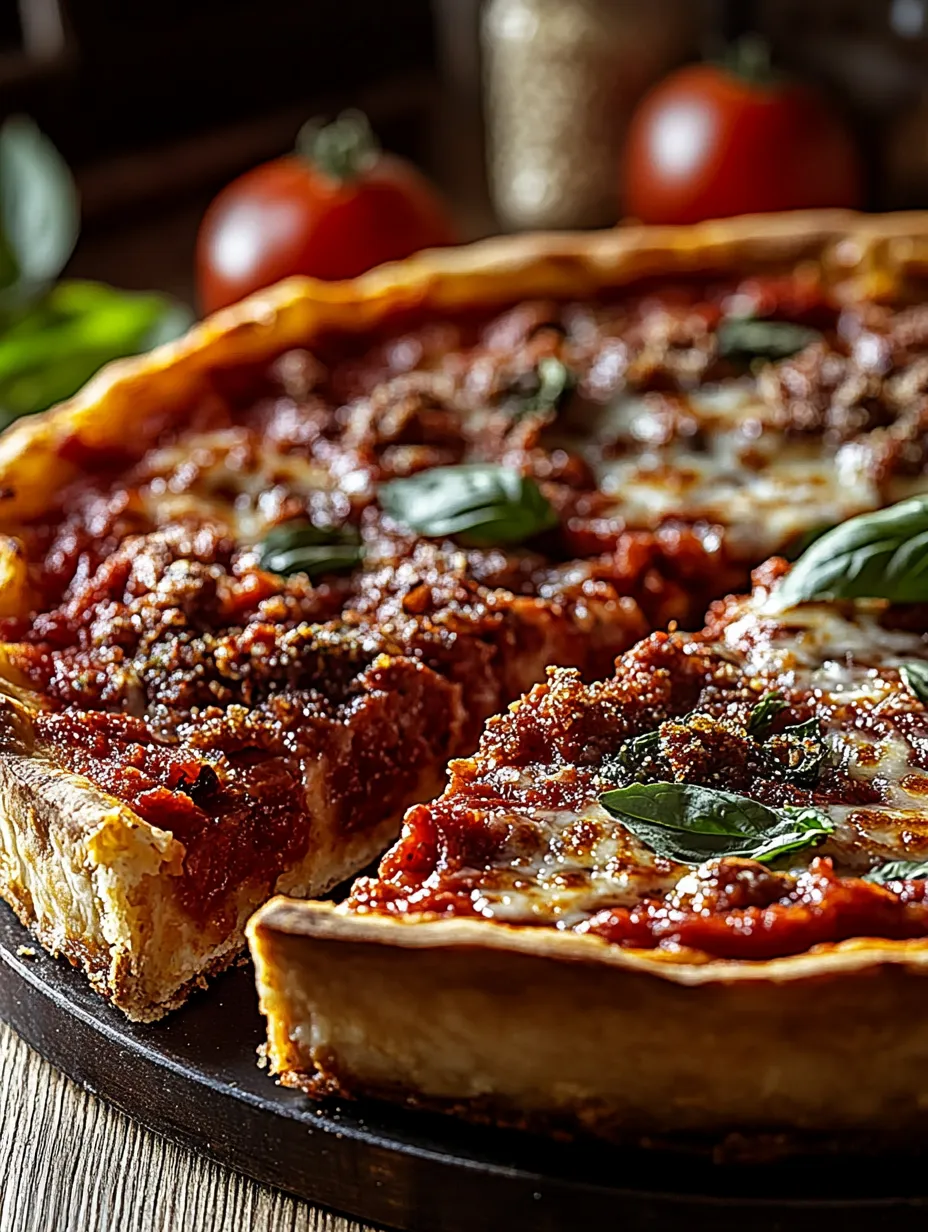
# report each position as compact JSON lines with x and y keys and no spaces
{"x":260,"y":586}
{"x":690,"y":897}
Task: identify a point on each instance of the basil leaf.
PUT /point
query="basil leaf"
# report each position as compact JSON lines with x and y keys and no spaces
{"x":882,"y":555}
{"x":689,"y":824}
{"x":743,"y":339}
{"x":915,"y":675}
{"x":542,"y":391}
{"x":805,"y":541}
{"x":629,"y":762}
{"x":763,"y":714}
{"x":898,"y":870}
{"x":300,"y":547}
{"x":39,"y":210}
{"x":802,"y":769}
{"x":806,"y":770}
{"x":54,"y":346}
{"x":480,"y":504}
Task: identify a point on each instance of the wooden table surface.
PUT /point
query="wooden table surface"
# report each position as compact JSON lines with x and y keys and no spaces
{"x":70,"y":1163}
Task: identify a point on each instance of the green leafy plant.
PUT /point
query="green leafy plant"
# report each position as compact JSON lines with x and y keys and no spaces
{"x":39,"y":211}
{"x":806,"y":750}
{"x":542,"y":391}
{"x":50,"y":350}
{"x":802,"y":742}
{"x":690,"y":824}
{"x":630,"y":762}
{"x":898,"y":870}
{"x":746,"y":339}
{"x":482,"y":505}
{"x":882,"y":555}
{"x":55,"y":336}
{"x":763,"y":714}
{"x":915,"y":675}
{"x":300,"y":547}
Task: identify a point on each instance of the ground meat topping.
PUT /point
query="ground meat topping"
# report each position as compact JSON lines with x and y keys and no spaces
{"x":520,"y":835}
{"x":149,"y":604}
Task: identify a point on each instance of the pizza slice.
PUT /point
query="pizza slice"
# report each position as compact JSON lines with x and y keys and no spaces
{"x":688,"y":899}
{"x":259,"y":587}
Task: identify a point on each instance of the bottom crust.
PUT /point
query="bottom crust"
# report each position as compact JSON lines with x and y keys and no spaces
{"x":540,"y":1032}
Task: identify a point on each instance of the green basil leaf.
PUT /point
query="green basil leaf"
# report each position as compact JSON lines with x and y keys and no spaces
{"x":689,"y":824}
{"x":882,"y":555}
{"x":542,"y":391}
{"x":803,"y":771}
{"x":743,"y":339}
{"x":482,"y":505}
{"x":54,"y":346}
{"x":805,"y":541}
{"x":300,"y":547}
{"x":763,"y":714}
{"x":915,"y":675}
{"x":39,"y":210}
{"x":898,"y":870}
{"x":630,"y":761}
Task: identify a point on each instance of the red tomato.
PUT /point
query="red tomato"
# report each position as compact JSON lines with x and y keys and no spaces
{"x":708,"y":142}
{"x":332,"y":210}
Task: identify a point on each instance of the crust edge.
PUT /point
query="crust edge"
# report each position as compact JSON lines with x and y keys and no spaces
{"x":857,"y":254}
{"x":545,"y":1034}
{"x":331,"y":924}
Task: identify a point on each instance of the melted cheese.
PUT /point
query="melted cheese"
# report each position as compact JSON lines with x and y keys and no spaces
{"x":716,"y":457}
{"x":850,"y":661}
{"x":229,"y":477}
{"x":565,"y":864}
{"x":725,"y":461}
{"x":562,"y":866}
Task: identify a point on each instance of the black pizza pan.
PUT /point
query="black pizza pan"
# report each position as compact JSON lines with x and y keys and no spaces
{"x":194,"y":1078}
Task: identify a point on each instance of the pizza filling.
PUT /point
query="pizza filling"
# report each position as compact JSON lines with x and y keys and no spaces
{"x":803,"y":722}
{"x":207,"y":615}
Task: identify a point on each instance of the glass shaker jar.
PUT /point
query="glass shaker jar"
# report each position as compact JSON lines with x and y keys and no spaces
{"x":561,"y":79}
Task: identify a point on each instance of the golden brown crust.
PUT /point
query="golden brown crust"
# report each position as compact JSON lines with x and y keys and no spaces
{"x":531,"y":1027}
{"x":94,"y":882}
{"x":100,"y":885}
{"x":324,"y":922}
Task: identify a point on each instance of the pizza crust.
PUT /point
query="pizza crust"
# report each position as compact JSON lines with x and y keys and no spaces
{"x":97,"y":890}
{"x":857,"y":255}
{"x":533,"y":1028}
{"x":94,"y":881}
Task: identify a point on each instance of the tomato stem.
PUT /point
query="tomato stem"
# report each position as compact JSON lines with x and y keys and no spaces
{"x":749,"y":58}
{"x":343,"y":149}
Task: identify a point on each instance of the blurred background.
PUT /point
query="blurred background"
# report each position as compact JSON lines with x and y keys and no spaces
{"x":156,"y":106}
{"x":522,"y":113}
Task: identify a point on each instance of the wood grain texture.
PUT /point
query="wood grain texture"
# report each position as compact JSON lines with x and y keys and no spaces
{"x":70,"y":1163}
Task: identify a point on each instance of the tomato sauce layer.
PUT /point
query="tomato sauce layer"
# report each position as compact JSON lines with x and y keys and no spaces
{"x":186,"y":678}
{"x":523,"y":836}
